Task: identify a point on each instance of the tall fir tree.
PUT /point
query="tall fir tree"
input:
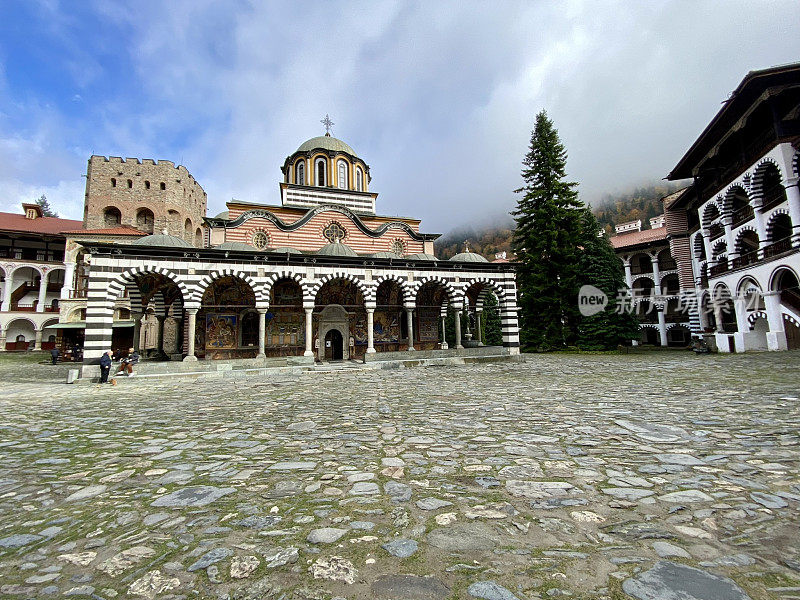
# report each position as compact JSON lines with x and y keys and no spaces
{"x":45,"y":206}
{"x":546,"y":241}
{"x":600,"y":267}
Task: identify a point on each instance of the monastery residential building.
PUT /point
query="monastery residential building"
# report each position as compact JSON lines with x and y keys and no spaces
{"x":319,"y":276}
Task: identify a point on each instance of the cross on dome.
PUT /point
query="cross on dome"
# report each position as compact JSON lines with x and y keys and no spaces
{"x":328,"y":124}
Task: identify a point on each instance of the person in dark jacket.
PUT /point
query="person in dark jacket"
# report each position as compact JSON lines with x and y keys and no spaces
{"x":54,"y":355}
{"x":126,"y":365}
{"x":105,"y":366}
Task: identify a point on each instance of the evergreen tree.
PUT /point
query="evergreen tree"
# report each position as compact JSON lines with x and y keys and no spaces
{"x":600,"y":267}
{"x":45,"y":206}
{"x":546,"y":243}
{"x":492,"y":327}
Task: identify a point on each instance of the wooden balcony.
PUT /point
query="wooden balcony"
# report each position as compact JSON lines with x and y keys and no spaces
{"x":745,"y":259}
{"x":715,"y":231}
{"x":743,"y":215}
{"x":778,"y":247}
{"x":718,"y":269}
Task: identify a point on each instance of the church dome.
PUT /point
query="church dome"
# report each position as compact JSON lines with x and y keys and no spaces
{"x":223,"y":215}
{"x":326,"y":142}
{"x":468,"y":257}
{"x":161,"y":240}
{"x":386,"y":254}
{"x":421,"y":256}
{"x":336,"y":249}
{"x":286,"y":250}
{"x":237,"y":246}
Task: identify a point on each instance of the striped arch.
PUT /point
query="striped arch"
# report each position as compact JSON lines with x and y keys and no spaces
{"x":671,"y":325}
{"x":487,"y":284}
{"x":719,"y":249}
{"x":128,"y":279}
{"x":452,"y":293}
{"x":740,"y":234}
{"x":758,"y":175}
{"x":708,"y":217}
{"x":771,"y":221}
{"x":727,"y":201}
{"x":274,"y":278}
{"x":205,"y":282}
{"x":362,"y":287}
{"x":791,"y":318}
{"x":756,"y":314}
{"x":405,"y":288}
{"x":34,"y":267}
{"x":747,"y":279}
{"x":699,"y":247}
{"x":796,"y":164}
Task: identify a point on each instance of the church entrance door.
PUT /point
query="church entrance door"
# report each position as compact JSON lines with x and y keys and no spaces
{"x":333,"y":345}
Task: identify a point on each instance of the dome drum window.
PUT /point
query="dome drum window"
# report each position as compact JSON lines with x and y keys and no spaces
{"x":260,"y":240}
{"x":334,"y":232}
{"x":341,"y":178}
{"x":300,"y":173}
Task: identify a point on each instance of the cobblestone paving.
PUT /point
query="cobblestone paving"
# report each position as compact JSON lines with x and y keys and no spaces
{"x":561,"y":476}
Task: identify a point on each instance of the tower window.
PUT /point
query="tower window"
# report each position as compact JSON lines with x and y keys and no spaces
{"x":321,"y":179}
{"x":359,"y":179}
{"x":113,"y":182}
{"x":163,"y":185}
{"x":147,"y":185}
{"x":300,"y":173}
{"x":342,"y":175}
{"x":130,"y":183}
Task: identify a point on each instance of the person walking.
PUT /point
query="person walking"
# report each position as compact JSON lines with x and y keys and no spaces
{"x":54,"y":355}
{"x":105,"y":366}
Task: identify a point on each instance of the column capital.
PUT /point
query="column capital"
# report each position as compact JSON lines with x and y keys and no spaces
{"x":191,"y":311}
{"x":262,"y":311}
{"x":308,"y":306}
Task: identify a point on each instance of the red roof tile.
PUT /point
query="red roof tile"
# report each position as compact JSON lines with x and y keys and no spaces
{"x":639,"y":237}
{"x":47,"y":225}
{"x":121,"y":230}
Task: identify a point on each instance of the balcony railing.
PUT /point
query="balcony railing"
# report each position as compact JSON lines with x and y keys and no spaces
{"x":778,"y":247}
{"x":748,"y":258}
{"x":718,"y":268}
{"x":17,"y":307}
{"x":639,"y":270}
{"x":742,"y":215}
{"x":773,"y":197}
{"x":77,"y":294}
{"x":715,"y":231}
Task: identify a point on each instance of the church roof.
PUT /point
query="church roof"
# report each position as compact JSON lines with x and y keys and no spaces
{"x":468,"y":257}
{"x":633,"y":238}
{"x":326,"y":142}
{"x":161,"y":240}
{"x":237,"y":246}
{"x":336,"y":249}
{"x":386,"y":254}
{"x":47,"y":225}
{"x":286,"y":250}
{"x":421,"y":256}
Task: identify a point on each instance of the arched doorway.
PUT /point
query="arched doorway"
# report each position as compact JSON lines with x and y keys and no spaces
{"x":334,"y":345}
{"x":339,"y":304}
{"x":785,"y":282}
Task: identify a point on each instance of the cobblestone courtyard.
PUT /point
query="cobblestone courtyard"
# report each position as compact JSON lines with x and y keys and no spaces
{"x":561,"y":476}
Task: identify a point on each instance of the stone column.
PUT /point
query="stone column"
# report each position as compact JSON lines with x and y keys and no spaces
{"x":309,"y":330}
{"x":42,"y":293}
{"x":718,"y":317}
{"x":3,"y":340}
{"x":793,"y":196}
{"x":262,"y":332}
{"x":662,"y":326}
{"x":37,"y":345}
{"x":160,"y":343}
{"x":707,"y":245}
{"x":137,"y":330}
{"x":626,"y":262}
{"x":192,"y":312}
{"x":728,"y":223}
{"x":410,"y":320}
{"x":458,"y":329}
{"x":478,"y":335}
{"x":370,"y":331}
{"x":444,"y":332}
{"x":69,"y":275}
{"x":7,"y":292}
{"x":656,"y":276}
{"x":776,"y":336}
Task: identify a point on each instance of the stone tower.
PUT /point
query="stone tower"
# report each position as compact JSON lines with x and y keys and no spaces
{"x":148,"y":195}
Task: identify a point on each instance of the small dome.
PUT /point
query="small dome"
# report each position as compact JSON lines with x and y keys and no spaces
{"x":336,"y":249}
{"x":386,"y":254}
{"x":326,"y":142}
{"x":286,"y":250}
{"x":241,"y":246}
{"x":421,"y":256}
{"x":161,"y":240}
{"x":468,"y":257}
{"x":223,"y":215}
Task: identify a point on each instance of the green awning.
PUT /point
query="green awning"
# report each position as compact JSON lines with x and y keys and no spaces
{"x":82,"y":325}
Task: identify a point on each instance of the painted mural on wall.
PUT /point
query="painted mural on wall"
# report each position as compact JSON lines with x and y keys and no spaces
{"x":386,"y":326}
{"x":285,"y":329}
{"x":340,"y":291}
{"x":221,"y":331}
{"x":428,"y":324}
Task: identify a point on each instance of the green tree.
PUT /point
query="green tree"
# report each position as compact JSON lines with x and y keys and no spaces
{"x":45,"y":206}
{"x":492,"y":325}
{"x":600,"y":267}
{"x":546,"y":240}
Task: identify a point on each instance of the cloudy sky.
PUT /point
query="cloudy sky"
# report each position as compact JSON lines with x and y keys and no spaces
{"x":438,"y":97}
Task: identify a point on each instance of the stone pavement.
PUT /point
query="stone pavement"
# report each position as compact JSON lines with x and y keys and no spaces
{"x":660,"y":475}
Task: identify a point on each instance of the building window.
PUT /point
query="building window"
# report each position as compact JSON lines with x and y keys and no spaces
{"x":359,"y":179}
{"x":147,"y":185}
{"x":342,"y":175}
{"x":260,"y":240}
{"x":163,"y":185}
{"x":334,"y":232}
{"x":130,"y":183}
{"x":321,"y":172}
{"x":113,"y":182}
{"x":145,"y":220}
{"x":398,"y":247}
{"x":300,"y":173}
